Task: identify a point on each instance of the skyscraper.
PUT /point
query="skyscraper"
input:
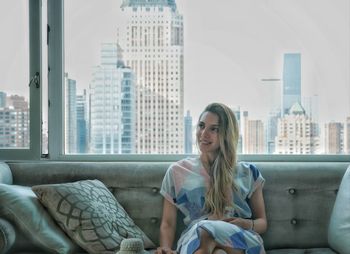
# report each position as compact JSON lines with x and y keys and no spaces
{"x":334,"y":138}
{"x":152,"y":42}
{"x":70,"y":115}
{"x":237,"y":113}
{"x":14,"y":123}
{"x":347,"y":135}
{"x":188,"y":133}
{"x":291,"y":81}
{"x":112,"y":106}
{"x":271,"y":131}
{"x":296,"y":133}
{"x":82,"y":130}
{"x":253,"y":138}
{"x":2,"y":99}
{"x":128,"y":110}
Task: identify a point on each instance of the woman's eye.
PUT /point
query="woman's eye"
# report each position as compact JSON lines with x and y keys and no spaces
{"x":215,"y":129}
{"x":201,"y":125}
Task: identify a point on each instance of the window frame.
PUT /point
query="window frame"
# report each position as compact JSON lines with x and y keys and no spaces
{"x":34,"y":150}
{"x":56,"y":104}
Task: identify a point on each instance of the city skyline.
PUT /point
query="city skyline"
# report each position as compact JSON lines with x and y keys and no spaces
{"x":252,"y":51}
{"x":293,"y":133}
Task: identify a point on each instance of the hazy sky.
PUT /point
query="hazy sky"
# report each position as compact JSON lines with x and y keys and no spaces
{"x":227,"y":52}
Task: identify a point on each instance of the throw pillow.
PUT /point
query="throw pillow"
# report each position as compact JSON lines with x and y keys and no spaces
{"x":7,"y":236}
{"x":339,"y":225}
{"x":90,"y":214}
{"x":20,"y":205}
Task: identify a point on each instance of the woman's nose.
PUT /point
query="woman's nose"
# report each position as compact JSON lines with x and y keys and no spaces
{"x":204,"y":132}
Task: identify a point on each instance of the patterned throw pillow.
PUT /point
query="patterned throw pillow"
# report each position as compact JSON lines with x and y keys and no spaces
{"x":90,"y":214}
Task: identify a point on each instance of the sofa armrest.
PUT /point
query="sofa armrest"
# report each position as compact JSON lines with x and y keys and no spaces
{"x":7,"y":235}
{"x":5,"y":173}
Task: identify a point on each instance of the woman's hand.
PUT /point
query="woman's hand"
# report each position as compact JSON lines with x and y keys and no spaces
{"x":243,"y":223}
{"x":164,"y":250}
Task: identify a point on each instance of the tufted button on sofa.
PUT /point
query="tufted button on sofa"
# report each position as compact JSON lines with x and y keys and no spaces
{"x":299,"y":198}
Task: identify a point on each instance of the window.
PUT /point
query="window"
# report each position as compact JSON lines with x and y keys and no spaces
{"x":130,"y":78}
{"x":20,"y":79}
{"x":267,"y":66}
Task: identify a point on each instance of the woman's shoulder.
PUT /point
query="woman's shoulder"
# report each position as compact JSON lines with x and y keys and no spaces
{"x":186,"y":163}
{"x":244,"y":168}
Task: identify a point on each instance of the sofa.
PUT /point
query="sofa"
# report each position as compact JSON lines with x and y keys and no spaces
{"x":299,"y":199}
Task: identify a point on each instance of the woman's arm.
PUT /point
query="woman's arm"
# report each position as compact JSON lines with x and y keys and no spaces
{"x":257,"y":205}
{"x":258,"y":223}
{"x":167,"y":228}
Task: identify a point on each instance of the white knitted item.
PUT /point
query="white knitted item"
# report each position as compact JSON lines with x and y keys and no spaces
{"x":131,"y":246}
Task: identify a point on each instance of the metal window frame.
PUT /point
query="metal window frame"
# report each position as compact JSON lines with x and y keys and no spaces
{"x":34,"y":150}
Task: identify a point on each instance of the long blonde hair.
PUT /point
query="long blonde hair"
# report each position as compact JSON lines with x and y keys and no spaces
{"x":222,"y":171}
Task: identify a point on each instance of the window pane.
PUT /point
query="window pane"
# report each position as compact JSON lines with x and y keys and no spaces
{"x":138,"y":74}
{"x":14,"y":80}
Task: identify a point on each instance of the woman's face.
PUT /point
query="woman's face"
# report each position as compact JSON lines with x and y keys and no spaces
{"x":208,"y":133}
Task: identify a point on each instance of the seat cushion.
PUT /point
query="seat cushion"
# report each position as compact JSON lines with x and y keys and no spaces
{"x":302,"y":251}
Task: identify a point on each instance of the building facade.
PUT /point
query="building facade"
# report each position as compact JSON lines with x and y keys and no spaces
{"x":70,"y":115}
{"x":152,"y":42}
{"x":347,"y":135}
{"x":334,"y":138}
{"x":82,"y":123}
{"x":112,"y":104}
{"x":188,"y":133}
{"x":296,"y":133}
{"x":253,"y":136}
{"x":14,"y":122}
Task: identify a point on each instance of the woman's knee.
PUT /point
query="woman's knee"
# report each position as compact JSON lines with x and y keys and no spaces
{"x":205,"y":236}
{"x":219,"y":251}
{"x":207,"y":242}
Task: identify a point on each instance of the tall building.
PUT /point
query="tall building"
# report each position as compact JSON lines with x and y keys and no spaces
{"x":347,"y":135}
{"x":271,"y":134}
{"x":296,"y":133}
{"x":14,"y":123}
{"x":237,"y":113}
{"x":291,"y":92}
{"x":2,"y":99}
{"x":128,"y":110}
{"x":112,"y":104}
{"x":152,"y":42}
{"x":334,"y":138}
{"x":253,"y":136}
{"x":82,"y":121}
{"x":188,"y":133}
{"x":70,"y":115}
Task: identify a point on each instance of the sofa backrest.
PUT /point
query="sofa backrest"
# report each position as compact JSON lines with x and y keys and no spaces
{"x":299,"y":197}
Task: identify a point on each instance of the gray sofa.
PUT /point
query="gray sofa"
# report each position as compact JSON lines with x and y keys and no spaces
{"x":299,"y":198}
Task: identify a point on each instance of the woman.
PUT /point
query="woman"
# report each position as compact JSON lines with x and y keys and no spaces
{"x":222,"y":201}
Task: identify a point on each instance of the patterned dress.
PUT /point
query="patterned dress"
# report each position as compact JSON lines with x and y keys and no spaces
{"x":185,"y":185}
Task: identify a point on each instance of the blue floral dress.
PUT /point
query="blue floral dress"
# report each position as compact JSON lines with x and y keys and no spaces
{"x":185,"y":185}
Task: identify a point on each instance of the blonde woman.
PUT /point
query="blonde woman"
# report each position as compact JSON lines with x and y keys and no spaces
{"x":222,"y":200}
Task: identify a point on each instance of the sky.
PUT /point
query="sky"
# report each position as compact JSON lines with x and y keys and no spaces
{"x":228,"y":52}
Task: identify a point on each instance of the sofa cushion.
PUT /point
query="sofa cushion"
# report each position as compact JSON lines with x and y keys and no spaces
{"x":7,"y":236}
{"x":339,"y":225}
{"x":20,"y":205}
{"x":90,"y":215}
